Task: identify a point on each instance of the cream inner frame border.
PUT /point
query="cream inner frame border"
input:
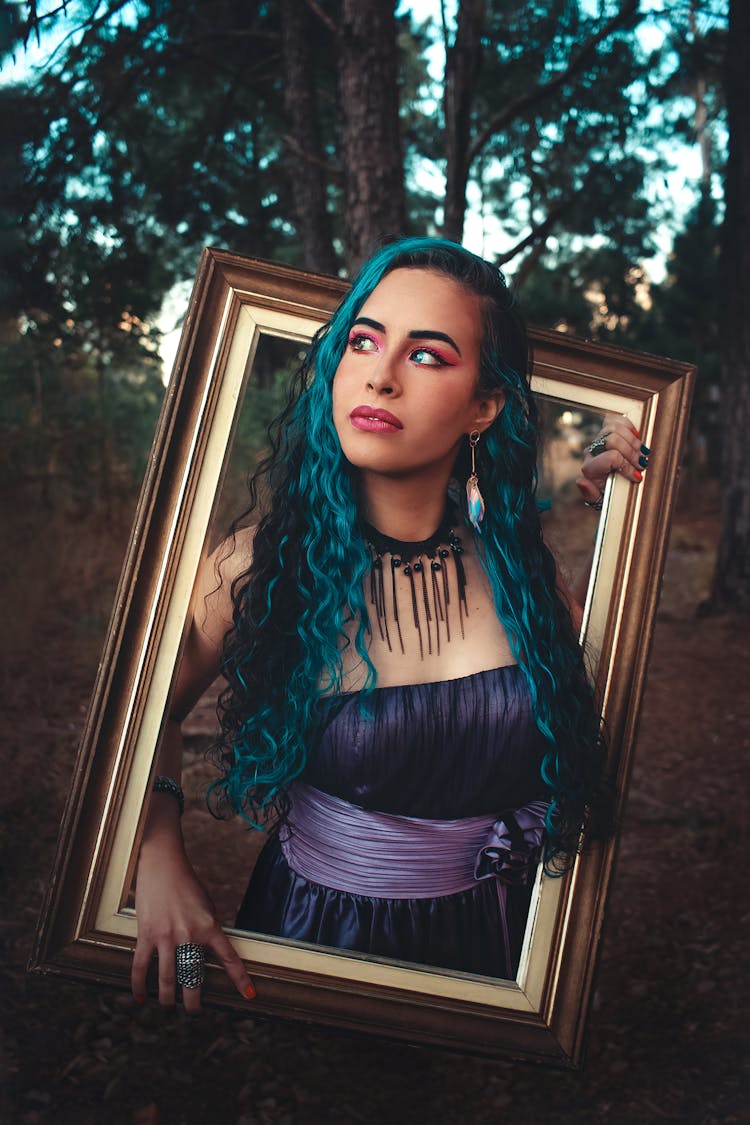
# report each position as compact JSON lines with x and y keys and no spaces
{"x":237,"y":317}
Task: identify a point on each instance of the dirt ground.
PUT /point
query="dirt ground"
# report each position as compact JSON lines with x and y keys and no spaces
{"x":667,"y":1039}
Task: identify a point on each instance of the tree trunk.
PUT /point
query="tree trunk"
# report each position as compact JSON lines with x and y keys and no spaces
{"x":732,"y":578}
{"x":462,"y":62}
{"x":304,"y":156}
{"x":370,"y":130}
{"x":698,"y":88}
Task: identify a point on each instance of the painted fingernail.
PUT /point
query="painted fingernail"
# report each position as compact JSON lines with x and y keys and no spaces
{"x":643,"y":462}
{"x":634,"y":431}
{"x":638,"y":476}
{"x":139,"y":999}
{"x":250,"y":992}
{"x":645,"y":449}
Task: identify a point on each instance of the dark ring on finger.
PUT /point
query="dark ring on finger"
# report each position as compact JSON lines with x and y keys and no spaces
{"x":595,"y":505}
{"x":189,"y":960}
{"x":598,"y":445}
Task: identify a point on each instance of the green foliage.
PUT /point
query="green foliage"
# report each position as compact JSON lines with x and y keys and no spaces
{"x":75,"y":430}
{"x":79,"y":368}
{"x":685,"y":308}
{"x":157,"y":128}
{"x":685,"y":316}
{"x":569,"y":164}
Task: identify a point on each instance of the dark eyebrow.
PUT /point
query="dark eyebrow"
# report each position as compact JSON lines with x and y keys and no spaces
{"x":433,"y":334}
{"x":417,"y":334}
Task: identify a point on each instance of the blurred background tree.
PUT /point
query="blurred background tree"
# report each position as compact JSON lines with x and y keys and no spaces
{"x":306,"y":130}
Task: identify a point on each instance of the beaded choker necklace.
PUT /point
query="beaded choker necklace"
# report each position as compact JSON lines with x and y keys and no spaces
{"x":430,"y":601}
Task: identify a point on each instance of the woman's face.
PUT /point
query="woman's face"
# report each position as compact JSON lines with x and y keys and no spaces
{"x":405,"y":392}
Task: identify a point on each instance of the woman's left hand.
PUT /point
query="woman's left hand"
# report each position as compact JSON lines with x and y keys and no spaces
{"x":617,"y":448}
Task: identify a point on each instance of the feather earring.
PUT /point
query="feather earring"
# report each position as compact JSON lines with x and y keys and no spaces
{"x":473,"y":495}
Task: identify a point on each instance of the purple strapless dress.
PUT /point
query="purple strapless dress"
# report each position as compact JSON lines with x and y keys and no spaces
{"x":445,"y":750}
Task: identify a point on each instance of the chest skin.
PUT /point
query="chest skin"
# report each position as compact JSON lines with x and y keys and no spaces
{"x":483,"y":645}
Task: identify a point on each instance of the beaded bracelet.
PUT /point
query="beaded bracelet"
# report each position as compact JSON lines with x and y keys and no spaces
{"x":169,"y":785}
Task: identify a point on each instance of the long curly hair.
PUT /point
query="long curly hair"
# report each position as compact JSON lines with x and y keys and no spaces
{"x":306,"y":580}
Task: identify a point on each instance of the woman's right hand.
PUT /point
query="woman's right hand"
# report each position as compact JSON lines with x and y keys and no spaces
{"x":172,"y":908}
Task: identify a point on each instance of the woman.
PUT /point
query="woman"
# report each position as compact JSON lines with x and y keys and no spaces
{"x":405,"y":689}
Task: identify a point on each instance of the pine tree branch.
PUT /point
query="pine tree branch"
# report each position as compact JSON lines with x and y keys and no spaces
{"x":327,"y":165}
{"x":537,"y":233}
{"x":316,"y":9}
{"x":88,"y":26}
{"x":522,"y":105}
{"x":522,"y":272}
{"x":34,"y":21}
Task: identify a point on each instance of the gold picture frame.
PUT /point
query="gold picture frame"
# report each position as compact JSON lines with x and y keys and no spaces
{"x":87,"y":929}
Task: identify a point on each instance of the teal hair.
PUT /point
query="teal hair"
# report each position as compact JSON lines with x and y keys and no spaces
{"x":310,"y":562}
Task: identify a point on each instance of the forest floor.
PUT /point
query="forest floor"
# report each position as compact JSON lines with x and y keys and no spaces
{"x":667,"y":1035}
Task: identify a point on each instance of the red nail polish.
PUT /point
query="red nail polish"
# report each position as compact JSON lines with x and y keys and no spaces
{"x":250,"y":992}
{"x":140,"y":999}
{"x":634,"y":431}
{"x":638,"y":476}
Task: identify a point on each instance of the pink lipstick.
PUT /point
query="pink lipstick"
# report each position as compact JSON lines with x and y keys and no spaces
{"x":375,"y":421}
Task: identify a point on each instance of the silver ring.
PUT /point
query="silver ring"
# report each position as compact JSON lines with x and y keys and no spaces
{"x":189,"y":958}
{"x":598,"y":445}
